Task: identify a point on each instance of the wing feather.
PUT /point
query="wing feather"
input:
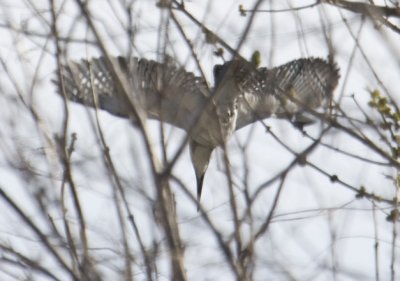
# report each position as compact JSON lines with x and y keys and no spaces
{"x":166,"y":91}
{"x":287,"y":91}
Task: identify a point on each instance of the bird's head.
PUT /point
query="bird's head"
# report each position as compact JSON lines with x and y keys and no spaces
{"x":224,"y":71}
{"x":217,"y":71}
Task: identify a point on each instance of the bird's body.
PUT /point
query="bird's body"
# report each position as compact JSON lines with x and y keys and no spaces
{"x":242,"y":95}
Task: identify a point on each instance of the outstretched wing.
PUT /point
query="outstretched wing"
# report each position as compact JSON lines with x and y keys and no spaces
{"x":286,"y":91}
{"x":167,"y":92}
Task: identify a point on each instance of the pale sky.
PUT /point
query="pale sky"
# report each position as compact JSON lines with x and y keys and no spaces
{"x":317,"y":225}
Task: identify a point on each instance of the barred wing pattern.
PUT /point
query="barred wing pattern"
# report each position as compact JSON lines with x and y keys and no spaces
{"x":168,"y":92}
{"x":287,"y":91}
{"x":242,"y":95}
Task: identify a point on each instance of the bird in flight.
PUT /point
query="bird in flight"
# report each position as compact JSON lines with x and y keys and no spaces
{"x":242,"y":94}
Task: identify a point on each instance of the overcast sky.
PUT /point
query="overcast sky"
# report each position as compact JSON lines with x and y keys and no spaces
{"x":319,"y":231}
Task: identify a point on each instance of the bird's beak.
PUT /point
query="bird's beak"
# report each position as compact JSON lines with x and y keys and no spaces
{"x":200,"y":157}
{"x":199,"y":180}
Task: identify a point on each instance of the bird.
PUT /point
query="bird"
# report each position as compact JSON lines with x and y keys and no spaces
{"x":243,"y":93}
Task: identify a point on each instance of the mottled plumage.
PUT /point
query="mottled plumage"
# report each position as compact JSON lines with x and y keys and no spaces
{"x":242,"y":94}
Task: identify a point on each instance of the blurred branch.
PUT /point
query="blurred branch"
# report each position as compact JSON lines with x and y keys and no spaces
{"x":208,"y":33}
{"x":45,"y":35}
{"x":146,"y":245}
{"x":42,"y":237}
{"x":370,"y":10}
{"x":85,"y":267}
{"x":118,"y":187}
{"x":229,"y":256}
{"x":243,"y":11}
{"x":163,"y":189}
{"x":22,"y":261}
